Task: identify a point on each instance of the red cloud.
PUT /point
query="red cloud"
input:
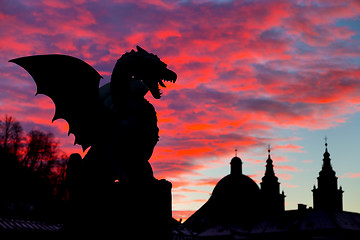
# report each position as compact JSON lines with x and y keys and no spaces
{"x":244,"y":69}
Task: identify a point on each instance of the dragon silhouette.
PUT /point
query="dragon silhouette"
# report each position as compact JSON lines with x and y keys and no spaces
{"x":116,"y":120}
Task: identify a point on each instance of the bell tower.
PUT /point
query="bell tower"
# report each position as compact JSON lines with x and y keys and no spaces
{"x":327,"y":196}
{"x":273,"y":200}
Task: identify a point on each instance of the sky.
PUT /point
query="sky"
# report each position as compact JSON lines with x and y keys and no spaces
{"x":250,"y":74}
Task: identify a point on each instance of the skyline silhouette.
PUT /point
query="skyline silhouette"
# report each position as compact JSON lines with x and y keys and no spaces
{"x":238,"y":208}
{"x":237,"y":204}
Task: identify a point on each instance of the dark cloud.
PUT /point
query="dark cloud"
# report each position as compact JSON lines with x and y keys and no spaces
{"x":266,"y":105}
{"x":245,"y":68}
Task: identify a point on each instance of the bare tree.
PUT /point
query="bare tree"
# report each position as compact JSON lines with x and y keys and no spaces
{"x":40,"y":148}
{"x":11,"y":134}
{"x":34,"y":158}
{"x":43,"y":157}
{"x":17,"y":137}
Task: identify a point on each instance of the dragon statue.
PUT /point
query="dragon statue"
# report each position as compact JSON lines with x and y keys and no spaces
{"x":115,"y":121}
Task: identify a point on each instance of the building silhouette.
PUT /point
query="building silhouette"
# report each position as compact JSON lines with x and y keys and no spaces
{"x":327,"y":196}
{"x":235,"y":199}
{"x":273,"y":201}
{"x":239,"y":209}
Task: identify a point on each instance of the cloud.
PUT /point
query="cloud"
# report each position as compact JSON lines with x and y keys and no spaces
{"x":207,"y":182}
{"x":350,"y":175}
{"x":246,"y":69}
{"x":289,"y":147}
{"x":287,"y":185}
{"x":182,"y":214}
{"x":288,"y":168}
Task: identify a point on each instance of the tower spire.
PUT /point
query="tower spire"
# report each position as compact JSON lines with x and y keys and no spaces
{"x":326,"y":141}
{"x":326,"y":144}
{"x":327,"y":196}
{"x":326,"y":160}
{"x":270,"y":188}
{"x":269,"y":165}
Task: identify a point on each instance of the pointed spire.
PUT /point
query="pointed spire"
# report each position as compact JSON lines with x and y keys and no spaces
{"x":326,"y":154}
{"x":326,"y":159}
{"x":270,"y":189}
{"x":326,"y":167}
{"x":326,"y":141}
{"x":327,"y":196}
{"x":269,"y":165}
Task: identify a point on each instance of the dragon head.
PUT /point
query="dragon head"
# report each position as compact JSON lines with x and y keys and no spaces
{"x":147,"y":71}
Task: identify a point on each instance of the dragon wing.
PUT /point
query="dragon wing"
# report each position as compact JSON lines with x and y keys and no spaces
{"x":73,"y":85}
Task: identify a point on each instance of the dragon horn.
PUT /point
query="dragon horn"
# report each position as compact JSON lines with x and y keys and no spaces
{"x":141,"y":50}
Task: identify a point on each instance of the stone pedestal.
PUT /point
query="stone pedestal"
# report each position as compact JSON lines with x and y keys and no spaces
{"x":137,"y":210}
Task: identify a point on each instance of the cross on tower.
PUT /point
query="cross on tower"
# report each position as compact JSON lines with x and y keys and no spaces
{"x":326,"y":141}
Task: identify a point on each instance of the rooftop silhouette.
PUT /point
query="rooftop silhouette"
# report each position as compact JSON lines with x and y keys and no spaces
{"x":238,"y":208}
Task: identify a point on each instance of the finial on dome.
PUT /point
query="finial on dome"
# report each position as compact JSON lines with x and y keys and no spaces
{"x":236,"y":152}
{"x":269,"y":149}
{"x":326,"y":141}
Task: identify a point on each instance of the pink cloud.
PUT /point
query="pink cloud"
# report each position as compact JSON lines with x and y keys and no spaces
{"x":19,"y":47}
{"x":287,"y":185}
{"x":182,"y":214}
{"x":244,"y":69}
{"x":192,"y":190}
{"x":288,"y":168}
{"x":350,"y":175}
{"x":208,"y":182}
{"x":283,"y":176}
{"x":289,"y":147}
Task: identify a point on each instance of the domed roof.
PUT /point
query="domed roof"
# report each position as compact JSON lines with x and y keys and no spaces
{"x":235,"y":187}
{"x":235,"y":198}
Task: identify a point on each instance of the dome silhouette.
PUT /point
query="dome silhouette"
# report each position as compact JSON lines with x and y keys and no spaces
{"x":235,"y":188}
{"x":235,"y":196}
{"x":234,"y":199}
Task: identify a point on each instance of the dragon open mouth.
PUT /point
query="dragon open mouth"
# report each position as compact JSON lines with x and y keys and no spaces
{"x":161,"y":83}
{"x":154,"y":86}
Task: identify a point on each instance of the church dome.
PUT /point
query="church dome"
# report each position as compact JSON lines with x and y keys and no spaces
{"x":236,"y":195}
{"x":236,"y":190}
{"x":235,"y":199}
{"x":235,"y":185}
